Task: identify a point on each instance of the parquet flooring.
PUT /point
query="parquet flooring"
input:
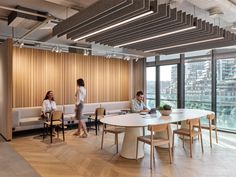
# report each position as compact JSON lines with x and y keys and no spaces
{"x":82,"y":157}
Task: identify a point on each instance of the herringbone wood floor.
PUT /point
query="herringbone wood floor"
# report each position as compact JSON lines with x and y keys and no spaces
{"x":79,"y":157}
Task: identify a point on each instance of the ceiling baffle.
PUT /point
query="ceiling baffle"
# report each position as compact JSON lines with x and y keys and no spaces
{"x":143,"y":25}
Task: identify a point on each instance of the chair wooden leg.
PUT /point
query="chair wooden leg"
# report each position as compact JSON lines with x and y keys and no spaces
{"x":57,"y":130}
{"x":102,"y":137}
{"x":190,"y":146}
{"x":201,"y":142}
{"x":137,"y":150}
{"x":151,"y":156}
{"x":210,"y":137}
{"x":216,"y":135}
{"x":116,"y":137}
{"x":115,"y":140}
{"x":51,"y":133}
{"x":63,"y":132}
{"x":44,"y":127}
{"x":170,"y":155}
{"x":183,"y":141}
{"x":96,"y":127}
{"x":173,"y":140}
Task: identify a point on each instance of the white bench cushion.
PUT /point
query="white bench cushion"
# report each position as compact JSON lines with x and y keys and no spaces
{"x":30,"y":121}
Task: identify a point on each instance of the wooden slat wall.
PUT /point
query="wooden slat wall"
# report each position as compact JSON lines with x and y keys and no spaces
{"x":138,"y":76}
{"x":37,"y":71}
{"x":5,"y":89}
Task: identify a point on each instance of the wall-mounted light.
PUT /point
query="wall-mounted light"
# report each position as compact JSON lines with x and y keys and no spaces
{"x":57,"y":49}
{"x":86,"y":52}
{"x":127,"y":58}
{"x":53,"y":49}
{"x":108,"y":56}
{"x":21,"y":44}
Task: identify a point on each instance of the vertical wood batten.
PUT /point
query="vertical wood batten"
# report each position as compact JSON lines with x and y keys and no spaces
{"x":37,"y":71}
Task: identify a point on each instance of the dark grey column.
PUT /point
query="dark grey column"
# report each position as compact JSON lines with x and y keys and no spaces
{"x":213,"y":81}
{"x":180,"y":82}
{"x":157,"y":82}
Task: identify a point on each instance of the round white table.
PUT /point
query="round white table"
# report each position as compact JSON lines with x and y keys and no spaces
{"x":135,"y":121}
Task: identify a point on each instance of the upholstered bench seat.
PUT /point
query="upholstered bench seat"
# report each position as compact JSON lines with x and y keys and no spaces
{"x":29,"y":117}
{"x":30,"y":121}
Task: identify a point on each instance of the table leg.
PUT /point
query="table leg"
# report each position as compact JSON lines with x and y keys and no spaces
{"x":129,"y":143}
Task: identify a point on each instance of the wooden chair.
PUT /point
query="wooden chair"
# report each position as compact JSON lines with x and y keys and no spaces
{"x":211,"y":126}
{"x":56,"y":121}
{"x":153,"y":141}
{"x":189,"y":132}
{"x":114,"y":130}
{"x":99,"y":114}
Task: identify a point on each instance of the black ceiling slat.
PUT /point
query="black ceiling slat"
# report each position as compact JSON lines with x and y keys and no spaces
{"x":162,"y":14}
{"x":228,"y":40}
{"x":198,"y":27}
{"x":137,"y":8}
{"x":96,"y":10}
{"x":191,"y":35}
{"x":176,"y":20}
{"x":164,"y":20}
{"x":179,"y":41}
{"x":214,"y":44}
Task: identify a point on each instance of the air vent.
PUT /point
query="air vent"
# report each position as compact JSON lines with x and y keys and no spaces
{"x":18,"y":19}
{"x":215,"y":12}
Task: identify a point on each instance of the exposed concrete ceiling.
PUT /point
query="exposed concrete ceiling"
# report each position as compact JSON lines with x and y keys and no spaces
{"x":62,"y":9}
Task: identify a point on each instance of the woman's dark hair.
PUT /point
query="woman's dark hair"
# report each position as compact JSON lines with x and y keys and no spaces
{"x":46,"y":96}
{"x":80,"y":82}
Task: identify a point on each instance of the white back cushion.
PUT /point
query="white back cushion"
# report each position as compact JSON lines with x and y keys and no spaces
{"x":69,"y":109}
{"x":90,"y":107}
{"x":116,"y":105}
{"x":29,"y":111}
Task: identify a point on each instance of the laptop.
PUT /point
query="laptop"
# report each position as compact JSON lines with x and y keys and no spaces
{"x":153,"y":111}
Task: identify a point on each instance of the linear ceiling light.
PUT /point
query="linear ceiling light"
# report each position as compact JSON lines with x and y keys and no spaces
{"x":157,"y":36}
{"x":181,"y":45}
{"x":115,"y":25}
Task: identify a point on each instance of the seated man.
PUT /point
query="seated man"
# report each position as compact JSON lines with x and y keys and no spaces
{"x":137,"y":104}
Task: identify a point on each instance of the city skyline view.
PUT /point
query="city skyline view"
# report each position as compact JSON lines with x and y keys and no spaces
{"x":198,"y":88}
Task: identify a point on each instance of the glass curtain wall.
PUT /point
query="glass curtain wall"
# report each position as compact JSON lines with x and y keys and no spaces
{"x":226,"y":93}
{"x":151,"y":87}
{"x":198,"y":84}
{"x":168,"y":85}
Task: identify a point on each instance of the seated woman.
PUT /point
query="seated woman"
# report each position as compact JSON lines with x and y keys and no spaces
{"x":49,"y":105}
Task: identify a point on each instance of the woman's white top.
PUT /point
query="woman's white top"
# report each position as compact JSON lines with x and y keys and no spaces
{"x":49,"y":106}
{"x":80,"y":95}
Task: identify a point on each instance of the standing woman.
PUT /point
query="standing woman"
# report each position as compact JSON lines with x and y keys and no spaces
{"x":79,"y":105}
